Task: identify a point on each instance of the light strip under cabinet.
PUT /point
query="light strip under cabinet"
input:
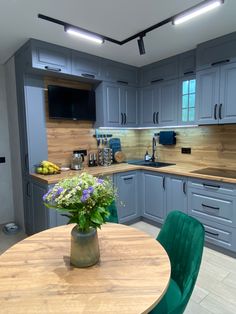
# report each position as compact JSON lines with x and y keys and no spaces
{"x":199,"y":9}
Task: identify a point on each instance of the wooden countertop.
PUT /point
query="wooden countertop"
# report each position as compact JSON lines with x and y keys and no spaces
{"x":180,"y":169}
{"x":131,"y":277}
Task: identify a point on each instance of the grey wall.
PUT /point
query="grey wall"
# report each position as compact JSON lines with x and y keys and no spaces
{"x":6,"y":194}
{"x":14,"y":142}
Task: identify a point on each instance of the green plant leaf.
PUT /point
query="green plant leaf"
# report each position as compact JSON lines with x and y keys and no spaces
{"x":96,"y":217}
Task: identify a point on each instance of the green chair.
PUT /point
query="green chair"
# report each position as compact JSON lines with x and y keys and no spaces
{"x":113,"y":213}
{"x":183,"y":239}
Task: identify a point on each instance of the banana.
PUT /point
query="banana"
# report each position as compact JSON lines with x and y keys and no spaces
{"x":46,"y":163}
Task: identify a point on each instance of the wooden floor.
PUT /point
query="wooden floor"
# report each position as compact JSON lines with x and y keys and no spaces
{"x":215,"y":291}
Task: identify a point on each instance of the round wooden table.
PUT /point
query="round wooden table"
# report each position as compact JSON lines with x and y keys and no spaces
{"x":131,"y":277}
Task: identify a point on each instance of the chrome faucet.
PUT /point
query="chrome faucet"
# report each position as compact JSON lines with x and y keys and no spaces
{"x":154,"y":143}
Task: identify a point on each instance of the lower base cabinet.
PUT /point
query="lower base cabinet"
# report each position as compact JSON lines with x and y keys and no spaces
{"x":176,"y":194}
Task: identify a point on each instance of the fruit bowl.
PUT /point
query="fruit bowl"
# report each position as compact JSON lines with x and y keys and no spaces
{"x":47,"y":168}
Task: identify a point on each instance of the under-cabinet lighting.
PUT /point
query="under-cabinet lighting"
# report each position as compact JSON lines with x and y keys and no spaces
{"x":196,"y":11}
{"x":84,"y":35}
{"x":149,"y":127}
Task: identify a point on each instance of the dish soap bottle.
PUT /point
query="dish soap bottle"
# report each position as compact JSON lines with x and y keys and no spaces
{"x":147,"y":156}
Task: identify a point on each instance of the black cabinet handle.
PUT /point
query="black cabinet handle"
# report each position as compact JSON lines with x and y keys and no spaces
{"x":125,"y":118}
{"x":220,"y":62}
{"x":52,"y":69}
{"x":156,"y":81}
{"x":211,"y":186}
{"x":212,"y":233}
{"x":164,"y":183}
{"x":220,"y":112}
{"x":215,"y":110}
{"x":128,"y":178}
{"x":212,"y":207}
{"x":88,"y":75}
{"x":157,"y":117}
{"x":188,"y":72}
{"x":122,"y":82}
{"x":28,"y":189}
{"x":184,"y":187}
{"x":153,"y":117}
{"x":122,"y":118}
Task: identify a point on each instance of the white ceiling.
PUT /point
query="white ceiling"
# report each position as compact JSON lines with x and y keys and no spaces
{"x":114,"y":18}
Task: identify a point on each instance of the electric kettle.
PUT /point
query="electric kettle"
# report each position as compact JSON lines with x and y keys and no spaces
{"x":77,"y":161}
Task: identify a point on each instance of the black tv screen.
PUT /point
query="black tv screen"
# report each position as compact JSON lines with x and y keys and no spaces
{"x":70,"y":103}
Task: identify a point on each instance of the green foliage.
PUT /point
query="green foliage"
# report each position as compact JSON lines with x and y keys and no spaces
{"x":83,"y":199}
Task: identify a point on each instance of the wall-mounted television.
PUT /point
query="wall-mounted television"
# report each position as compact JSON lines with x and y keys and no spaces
{"x":71,"y":103}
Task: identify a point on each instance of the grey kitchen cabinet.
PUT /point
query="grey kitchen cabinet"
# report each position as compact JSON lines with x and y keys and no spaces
{"x":149,"y":106}
{"x":116,"y":105}
{"x":187,"y":63}
{"x":119,"y":73}
{"x":216,"y":51}
{"x":168,"y":100}
{"x":162,"y":70}
{"x":153,"y":196}
{"x":176,"y":194}
{"x":216,"y":95}
{"x":46,"y":56}
{"x":213,"y":203}
{"x":128,"y":193}
{"x":85,"y":65}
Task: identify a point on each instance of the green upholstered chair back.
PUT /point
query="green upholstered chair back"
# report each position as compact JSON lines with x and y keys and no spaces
{"x":113,"y":213}
{"x":183,"y":239}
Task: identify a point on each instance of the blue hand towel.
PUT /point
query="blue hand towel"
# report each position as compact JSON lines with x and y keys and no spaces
{"x":167,"y":138}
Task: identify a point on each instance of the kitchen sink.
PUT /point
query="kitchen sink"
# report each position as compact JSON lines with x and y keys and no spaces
{"x":154,"y":164}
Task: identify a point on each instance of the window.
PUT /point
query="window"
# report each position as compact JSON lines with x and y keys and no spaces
{"x":188,"y":100}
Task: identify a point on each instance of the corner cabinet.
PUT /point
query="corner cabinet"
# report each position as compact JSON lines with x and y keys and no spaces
{"x":116,"y":105}
{"x":127,"y":203}
{"x":216,"y":95}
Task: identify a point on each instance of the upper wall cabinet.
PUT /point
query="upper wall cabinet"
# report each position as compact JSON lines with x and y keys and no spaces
{"x":216,"y":94}
{"x":156,"y":72}
{"x":187,"y":63}
{"x":120,"y":73}
{"x":86,"y":65}
{"x":50,"y":57}
{"x":217,"y":51}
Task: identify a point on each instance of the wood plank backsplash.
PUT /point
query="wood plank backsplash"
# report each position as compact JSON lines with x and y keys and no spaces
{"x":210,"y":145}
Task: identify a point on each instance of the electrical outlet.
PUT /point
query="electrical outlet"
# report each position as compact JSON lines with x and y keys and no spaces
{"x":186,"y":150}
{"x":2,"y":160}
{"x":80,"y":151}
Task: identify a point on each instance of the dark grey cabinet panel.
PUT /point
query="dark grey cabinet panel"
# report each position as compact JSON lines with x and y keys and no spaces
{"x":127,"y":188}
{"x":168,"y":92}
{"x":207,"y":98}
{"x":40,"y":212}
{"x":129,"y":106}
{"x":163,"y":70}
{"x":154,"y":196}
{"x":149,"y":106}
{"x":216,"y":51}
{"x":50,"y":57}
{"x":120,"y":73}
{"x":86,"y":65}
{"x":187,"y":63}
{"x":176,"y":192}
{"x":113,"y":105}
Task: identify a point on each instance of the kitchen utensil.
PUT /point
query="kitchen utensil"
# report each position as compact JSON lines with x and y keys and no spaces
{"x":119,"y":156}
{"x":105,"y":156}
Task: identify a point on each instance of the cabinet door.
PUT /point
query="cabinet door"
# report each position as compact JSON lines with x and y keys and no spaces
{"x":168,"y":103}
{"x":187,"y":63}
{"x":176,"y":191}
{"x":112,"y":96}
{"x":154,"y":201}
{"x":51,"y":57}
{"x":127,"y":188}
{"x":129,"y":106}
{"x":118,"y":72}
{"x":40,"y":212}
{"x":207,"y":98}
{"x":227,"y":110}
{"x":86,"y":65}
{"x":149,"y":106}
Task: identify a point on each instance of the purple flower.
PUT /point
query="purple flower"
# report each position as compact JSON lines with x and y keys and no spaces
{"x":84,"y":197}
{"x":85,"y":192}
{"x":59,"y":191}
{"x":46,"y":195}
{"x":100,"y":181}
{"x":91,"y":189}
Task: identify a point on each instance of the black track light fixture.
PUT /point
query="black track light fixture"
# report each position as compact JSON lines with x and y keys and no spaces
{"x":141,"y":46}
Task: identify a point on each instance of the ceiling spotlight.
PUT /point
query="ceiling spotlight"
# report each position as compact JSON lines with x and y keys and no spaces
{"x":141,"y":46}
{"x":203,"y":7}
{"x":84,"y":35}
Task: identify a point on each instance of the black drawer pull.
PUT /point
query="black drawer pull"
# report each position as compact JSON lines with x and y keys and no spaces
{"x":215,"y":110}
{"x":88,"y":75}
{"x":52,"y":69}
{"x":125,"y":118}
{"x":28,"y":189}
{"x":220,"y":112}
{"x":184,"y":187}
{"x":123,"y":82}
{"x":122,"y":118}
{"x":212,"y":233}
{"x":157,"y":117}
{"x":188,"y":72}
{"x":211,"y":186}
{"x":128,"y":178}
{"x":153,"y":117}
{"x":164,"y":183}
{"x":220,"y":62}
{"x":212,"y":207}
{"x":157,"y":80}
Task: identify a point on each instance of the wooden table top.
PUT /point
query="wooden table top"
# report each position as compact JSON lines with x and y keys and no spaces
{"x":131,"y":277}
